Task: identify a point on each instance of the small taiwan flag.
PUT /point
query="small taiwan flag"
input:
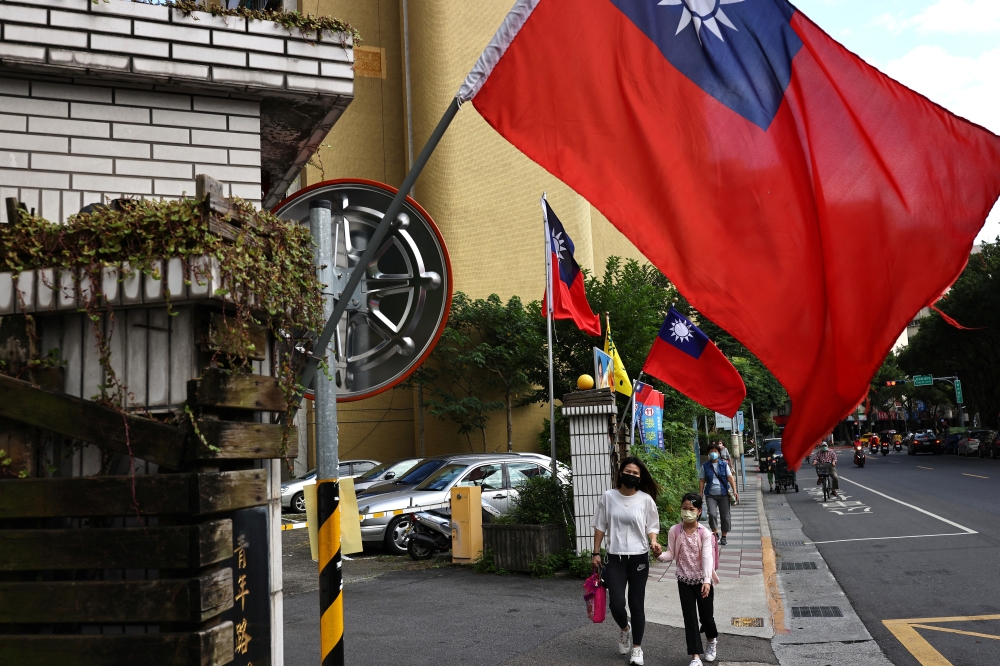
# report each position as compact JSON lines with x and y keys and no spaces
{"x":569,"y":299}
{"x":685,"y":358}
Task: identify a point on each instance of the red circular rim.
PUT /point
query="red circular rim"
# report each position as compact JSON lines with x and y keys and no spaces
{"x":447,"y":263}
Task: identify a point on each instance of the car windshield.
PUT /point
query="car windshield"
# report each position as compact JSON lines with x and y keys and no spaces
{"x":375,"y":471}
{"x":979,"y":434}
{"x":421,"y":471}
{"x":442,"y":478}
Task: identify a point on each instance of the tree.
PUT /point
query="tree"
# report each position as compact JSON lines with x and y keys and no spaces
{"x":509,"y":345}
{"x":941,"y":349}
{"x":486,"y":348}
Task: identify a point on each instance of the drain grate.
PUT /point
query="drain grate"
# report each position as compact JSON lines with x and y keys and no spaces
{"x":780,"y":518}
{"x":816,"y":611}
{"x":795,"y":566}
{"x":789,"y":543}
{"x":748,"y":622}
{"x":775,"y":504}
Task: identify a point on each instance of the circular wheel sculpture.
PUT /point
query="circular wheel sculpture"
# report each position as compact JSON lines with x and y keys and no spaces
{"x":397,"y":314}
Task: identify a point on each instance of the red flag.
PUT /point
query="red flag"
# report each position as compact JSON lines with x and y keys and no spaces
{"x":751,"y":158}
{"x":569,"y":299}
{"x":685,"y":358}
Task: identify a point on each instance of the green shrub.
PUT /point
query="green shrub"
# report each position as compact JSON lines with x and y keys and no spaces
{"x":581,"y":566}
{"x":541,"y":500}
{"x":676,"y":475}
{"x":546,"y":567}
{"x":486,"y":563}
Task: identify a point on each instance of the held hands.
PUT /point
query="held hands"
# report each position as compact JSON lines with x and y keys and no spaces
{"x":656,"y":548}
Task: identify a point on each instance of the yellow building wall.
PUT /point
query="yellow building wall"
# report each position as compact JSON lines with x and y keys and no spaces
{"x":481,"y":191}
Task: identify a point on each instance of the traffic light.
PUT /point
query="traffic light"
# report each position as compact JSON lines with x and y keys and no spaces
{"x":894,"y":382}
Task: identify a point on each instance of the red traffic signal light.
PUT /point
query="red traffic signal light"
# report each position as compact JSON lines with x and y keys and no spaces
{"x":890,"y":383}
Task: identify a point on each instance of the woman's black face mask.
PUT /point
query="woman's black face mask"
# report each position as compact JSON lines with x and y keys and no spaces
{"x":630,"y":481}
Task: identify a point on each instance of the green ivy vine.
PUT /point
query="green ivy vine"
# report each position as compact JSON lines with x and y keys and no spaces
{"x":266,"y":273}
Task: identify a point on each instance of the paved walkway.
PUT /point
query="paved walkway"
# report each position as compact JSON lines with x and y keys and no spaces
{"x":741,"y":596}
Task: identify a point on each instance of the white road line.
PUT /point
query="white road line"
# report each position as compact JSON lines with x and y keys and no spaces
{"x":914,"y":536}
{"x":915,"y":508}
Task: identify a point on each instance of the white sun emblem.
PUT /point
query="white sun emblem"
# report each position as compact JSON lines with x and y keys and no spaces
{"x":703,"y":12}
{"x":560,"y":243}
{"x":680,"y":331}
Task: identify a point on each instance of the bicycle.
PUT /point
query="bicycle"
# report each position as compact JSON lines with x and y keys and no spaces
{"x":823,"y":473}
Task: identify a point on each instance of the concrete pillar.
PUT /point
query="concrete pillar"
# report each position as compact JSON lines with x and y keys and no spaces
{"x":592,"y":447}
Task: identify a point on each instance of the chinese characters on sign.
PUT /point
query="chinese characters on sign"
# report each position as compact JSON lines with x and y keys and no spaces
{"x":251,"y":611}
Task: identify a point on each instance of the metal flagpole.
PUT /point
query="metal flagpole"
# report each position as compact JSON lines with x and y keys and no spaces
{"x":548,"y":329}
{"x":631,"y":434}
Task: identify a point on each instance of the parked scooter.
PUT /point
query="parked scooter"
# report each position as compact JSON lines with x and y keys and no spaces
{"x":859,"y":456}
{"x":885,"y":448}
{"x":430,"y":531}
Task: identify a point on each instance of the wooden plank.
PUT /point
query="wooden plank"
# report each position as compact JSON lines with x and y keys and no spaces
{"x":217,"y":388}
{"x":182,"y":353}
{"x":136,"y":356}
{"x":205,"y":186}
{"x":142,"y":601}
{"x":211,"y":647}
{"x":196,"y":494}
{"x":158,"y":367}
{"x":213,"y":329}
{"x":245,"y":440}
{"x":181,"y":547}
{"x":90,"y":422}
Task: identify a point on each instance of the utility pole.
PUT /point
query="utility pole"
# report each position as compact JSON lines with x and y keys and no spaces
{"x":331,"y":602}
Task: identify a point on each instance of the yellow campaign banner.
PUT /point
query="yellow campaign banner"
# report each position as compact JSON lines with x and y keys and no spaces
{"x":622,"y":383}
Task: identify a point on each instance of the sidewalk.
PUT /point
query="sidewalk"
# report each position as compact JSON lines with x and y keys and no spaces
{"x":741,"y":596}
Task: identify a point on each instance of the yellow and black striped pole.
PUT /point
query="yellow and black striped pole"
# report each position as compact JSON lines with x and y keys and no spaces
{"x":331,"y":600}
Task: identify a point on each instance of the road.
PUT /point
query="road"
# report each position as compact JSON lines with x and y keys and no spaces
{"x":882,"y":543}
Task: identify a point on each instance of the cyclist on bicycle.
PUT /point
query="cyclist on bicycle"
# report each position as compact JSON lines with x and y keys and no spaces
{"x":825,"y":455}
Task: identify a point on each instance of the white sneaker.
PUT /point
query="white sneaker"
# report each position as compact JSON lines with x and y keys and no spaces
{"x":713,"y":647}
{"x":625,"y":640}
{"x":696,"y":661}
{"x":635,"y":659}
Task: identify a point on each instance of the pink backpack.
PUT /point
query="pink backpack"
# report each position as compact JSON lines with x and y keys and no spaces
{"x":596,"y":598}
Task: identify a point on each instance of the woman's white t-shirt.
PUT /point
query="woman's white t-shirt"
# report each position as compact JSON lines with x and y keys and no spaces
{"x":626,"y":521}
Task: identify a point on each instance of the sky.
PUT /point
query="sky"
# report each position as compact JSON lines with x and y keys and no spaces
{"x":947,"y":50}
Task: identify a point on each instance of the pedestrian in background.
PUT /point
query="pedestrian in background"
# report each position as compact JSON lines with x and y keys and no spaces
{"x":767,"y":464}
{"x":692,"y":548}
{"x":627,"y":515}
{"x":723,"y":451}
{"x":716,"y":483}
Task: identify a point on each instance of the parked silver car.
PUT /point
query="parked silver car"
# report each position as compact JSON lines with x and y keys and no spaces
{"x":292,"y":495}
{"x":498,"y":475}
{"x":384,"y":472}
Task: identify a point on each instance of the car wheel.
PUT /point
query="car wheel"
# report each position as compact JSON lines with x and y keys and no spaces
{"x":395,"y":535}
{"x":298,"y":503}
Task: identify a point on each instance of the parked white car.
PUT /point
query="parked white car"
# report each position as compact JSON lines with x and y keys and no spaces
{"x":292,"y":495}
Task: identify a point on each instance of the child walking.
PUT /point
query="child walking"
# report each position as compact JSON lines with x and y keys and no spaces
{"x":692,"y":549}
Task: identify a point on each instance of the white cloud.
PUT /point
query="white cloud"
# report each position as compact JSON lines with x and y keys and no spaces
{"x":956,"y":16}
{"x":966,"y":86}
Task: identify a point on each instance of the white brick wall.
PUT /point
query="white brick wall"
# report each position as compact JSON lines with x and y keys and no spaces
{"x":64,"y":145}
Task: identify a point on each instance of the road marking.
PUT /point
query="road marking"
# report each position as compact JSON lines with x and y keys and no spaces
{"x":975,"y":475}
{"x":771,"y":583}
{"x":919,"y":467}
{"x":914,"y":536}
{"x":956,"y":631}
{"x":915,"y":508}
{"x":906,"y":633}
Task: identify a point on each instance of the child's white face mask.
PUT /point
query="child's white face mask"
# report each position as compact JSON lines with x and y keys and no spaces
{"x":689,"y":516}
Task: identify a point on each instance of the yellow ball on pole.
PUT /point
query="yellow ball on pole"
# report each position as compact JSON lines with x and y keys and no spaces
{"x":585,"y":382}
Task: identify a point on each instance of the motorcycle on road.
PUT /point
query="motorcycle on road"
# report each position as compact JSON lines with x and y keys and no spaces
{"x":885,"y":448}
{"x":859,"y":456}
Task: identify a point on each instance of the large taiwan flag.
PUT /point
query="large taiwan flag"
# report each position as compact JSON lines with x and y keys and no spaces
{"x":569,"y":299}
{"x":684,"y":357}
{"x":758,"y":164}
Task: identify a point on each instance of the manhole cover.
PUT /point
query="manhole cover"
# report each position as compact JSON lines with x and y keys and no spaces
{"x":789,"y":543}
{"x":816,"y":611}
{"x":795,"y":566}
{"x":748,"y":622}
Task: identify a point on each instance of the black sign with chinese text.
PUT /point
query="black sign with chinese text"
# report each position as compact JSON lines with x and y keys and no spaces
{"x":251,"y":611}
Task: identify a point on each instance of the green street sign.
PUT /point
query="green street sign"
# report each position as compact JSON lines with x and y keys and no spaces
{"x":958,"y":391}
{"x":923,"y":380}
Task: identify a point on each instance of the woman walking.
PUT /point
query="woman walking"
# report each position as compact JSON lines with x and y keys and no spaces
{"x":692,"y":549}
{"x":716,"y":484}
{"x":627,"y":516}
